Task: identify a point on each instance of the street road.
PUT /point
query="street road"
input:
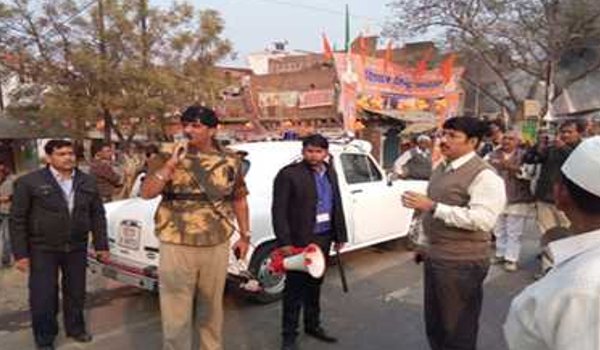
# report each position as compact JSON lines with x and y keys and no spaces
{"x":382,"y":311}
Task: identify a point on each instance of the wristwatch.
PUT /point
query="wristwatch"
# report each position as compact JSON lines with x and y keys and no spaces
{"x":246,"y":235}
{"x":434,"y":207}
{"x":160,"y":177}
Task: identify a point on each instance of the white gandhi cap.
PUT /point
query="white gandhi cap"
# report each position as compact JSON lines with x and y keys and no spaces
{"x":583,"y":165}
{"x":423,"y":138}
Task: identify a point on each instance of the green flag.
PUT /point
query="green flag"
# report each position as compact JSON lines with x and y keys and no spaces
{"x":347,"y":39}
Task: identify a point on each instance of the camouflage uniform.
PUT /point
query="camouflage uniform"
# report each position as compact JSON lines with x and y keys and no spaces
{"x":194,"y":233}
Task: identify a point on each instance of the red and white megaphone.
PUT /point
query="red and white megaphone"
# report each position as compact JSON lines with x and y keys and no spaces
{"x":310,"y":260}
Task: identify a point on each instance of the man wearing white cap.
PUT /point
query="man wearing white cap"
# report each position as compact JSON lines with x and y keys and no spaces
{"x":416,"y":163}
{"x":561,"y":311}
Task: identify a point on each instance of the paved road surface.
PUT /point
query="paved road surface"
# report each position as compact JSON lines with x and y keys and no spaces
{"x":382,"y":311}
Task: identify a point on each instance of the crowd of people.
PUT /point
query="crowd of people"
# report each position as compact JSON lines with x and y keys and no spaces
{"x":473,"y":214}
{"x":529,"y":171}
{"x":481,"y":187}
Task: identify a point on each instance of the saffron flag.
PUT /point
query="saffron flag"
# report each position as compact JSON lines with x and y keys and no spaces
{"x":387,"y":59}
{"x":447,"y":66}
{"x":327,"y":51}
{"x":423,"y":63}
{"x":362,"y":45}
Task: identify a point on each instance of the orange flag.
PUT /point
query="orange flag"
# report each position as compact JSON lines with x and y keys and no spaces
{"x":423,"y":63}
{"x":327,"y":51}
{"x":387,"y":59}
{"x":447,"y":66}
{"x":362,"y":44}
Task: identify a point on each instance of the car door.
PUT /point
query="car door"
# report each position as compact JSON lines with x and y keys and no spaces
{"x":372,"y":204}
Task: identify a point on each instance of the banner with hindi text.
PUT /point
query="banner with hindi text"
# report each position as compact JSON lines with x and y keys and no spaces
{"x":375,"y":84}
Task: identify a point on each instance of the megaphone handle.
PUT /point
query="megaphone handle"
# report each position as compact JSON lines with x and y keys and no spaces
{"x":340,"y":265}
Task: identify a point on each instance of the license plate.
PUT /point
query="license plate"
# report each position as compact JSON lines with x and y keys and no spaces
{"x":129,"y":234}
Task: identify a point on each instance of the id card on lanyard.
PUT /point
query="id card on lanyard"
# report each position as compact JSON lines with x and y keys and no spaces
{"x":323,"y":218}
{"x":324,"y":204}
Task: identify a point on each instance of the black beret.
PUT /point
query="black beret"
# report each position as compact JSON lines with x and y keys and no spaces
{"x":200,"y":114}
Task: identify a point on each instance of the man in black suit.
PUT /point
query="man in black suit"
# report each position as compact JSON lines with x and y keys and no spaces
{"x":307,"y":208}
{"x":53,"y":211}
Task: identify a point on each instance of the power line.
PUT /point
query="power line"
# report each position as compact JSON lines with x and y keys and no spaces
{"x":68,"y":20}
{"x":320,"y":9}
{"x":46,"y":34}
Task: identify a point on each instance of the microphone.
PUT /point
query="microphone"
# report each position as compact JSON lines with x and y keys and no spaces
{"x":181,"y":145}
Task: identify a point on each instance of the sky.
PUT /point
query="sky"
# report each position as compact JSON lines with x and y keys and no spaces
{"x":253,"y":24}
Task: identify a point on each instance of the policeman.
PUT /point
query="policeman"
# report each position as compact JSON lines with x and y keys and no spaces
{"x":203,"y":193}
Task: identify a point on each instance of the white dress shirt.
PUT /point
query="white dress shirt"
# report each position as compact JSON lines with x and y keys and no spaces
{"x":66,"y":184}
{"x":562,"y":310}
{"x":488,"y":199}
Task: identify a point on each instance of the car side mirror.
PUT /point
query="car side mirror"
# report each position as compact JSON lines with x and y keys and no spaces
{"x":390,"y":178}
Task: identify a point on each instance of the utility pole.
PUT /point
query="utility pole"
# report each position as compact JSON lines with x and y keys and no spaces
{"x":551,"y":12}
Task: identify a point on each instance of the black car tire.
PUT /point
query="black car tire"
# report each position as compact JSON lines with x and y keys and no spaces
{"x":272,"y":284}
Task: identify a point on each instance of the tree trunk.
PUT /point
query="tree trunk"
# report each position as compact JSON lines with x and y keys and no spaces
{"x":144,"y":29}
{"x":108,"y":122}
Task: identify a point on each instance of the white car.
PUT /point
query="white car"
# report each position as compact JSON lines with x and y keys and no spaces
{"x":371,"y":203}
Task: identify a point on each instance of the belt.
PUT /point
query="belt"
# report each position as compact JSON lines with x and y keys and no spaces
{"x":201,"y":197}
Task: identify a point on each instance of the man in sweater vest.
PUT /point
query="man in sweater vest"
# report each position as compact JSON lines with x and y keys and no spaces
{"x":508,"y":160}
{"x":464,"y":199}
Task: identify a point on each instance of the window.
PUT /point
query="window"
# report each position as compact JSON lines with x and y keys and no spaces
{"x":245,"y":166}
{"x":359,"y":168}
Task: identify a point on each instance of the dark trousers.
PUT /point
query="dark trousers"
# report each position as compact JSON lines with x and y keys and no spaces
{"x":303,"y":292}
{"x":453,"y":298}
{"x":43,"y":293}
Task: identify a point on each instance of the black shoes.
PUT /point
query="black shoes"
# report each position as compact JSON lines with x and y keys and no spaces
{"x":289,"y":345}
{"x":82,"y":338}
{"x":320,"y":334}
{"x":45,"y":347}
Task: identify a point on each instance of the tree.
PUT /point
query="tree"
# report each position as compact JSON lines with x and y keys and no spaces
{"x":120,"y":61}
{"x":523,"y":43}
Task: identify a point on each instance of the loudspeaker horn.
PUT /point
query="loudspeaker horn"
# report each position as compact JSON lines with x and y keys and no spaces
{"x":310,"y":260}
